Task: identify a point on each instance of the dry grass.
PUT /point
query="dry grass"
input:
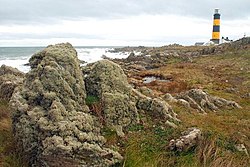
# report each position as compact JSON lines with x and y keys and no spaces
{"x":97,"y":109}
{"x":8,"y":155}
{"x":222,"y":130}
{"x":210,"y":153}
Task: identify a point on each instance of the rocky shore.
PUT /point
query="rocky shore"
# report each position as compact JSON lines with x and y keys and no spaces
{"x":61,"y":111}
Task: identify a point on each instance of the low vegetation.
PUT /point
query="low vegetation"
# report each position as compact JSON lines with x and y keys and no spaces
{"x":226,"y":75}
{"x":8,"y":155}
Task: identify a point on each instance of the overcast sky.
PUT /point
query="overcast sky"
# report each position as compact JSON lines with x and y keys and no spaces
{"x":118,"y":22}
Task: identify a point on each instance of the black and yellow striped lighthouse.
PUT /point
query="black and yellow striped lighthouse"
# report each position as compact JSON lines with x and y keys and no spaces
{"x":216,"y":27}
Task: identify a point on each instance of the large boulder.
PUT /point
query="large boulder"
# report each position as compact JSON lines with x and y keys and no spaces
{"x":51,"y":122}
{"x":10,"y":78}
{"x":107,"y":81}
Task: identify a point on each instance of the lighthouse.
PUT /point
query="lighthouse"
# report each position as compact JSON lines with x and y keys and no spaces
{"x":216,"y":27}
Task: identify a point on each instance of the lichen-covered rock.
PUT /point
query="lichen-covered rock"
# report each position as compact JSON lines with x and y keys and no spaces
{"x":51,"y":121}
{"x":119,"y":111}
{"x":121,"y":103}
{"x":106,"y":76}
{"x":202,"y":101}
{"x":156,"y":108}
{"x":189,"y":139}
{"x":242,"y":148}
{"x":107,"y":81}
{"x":10,"y":78}
{"x":146,"y":91}
{"x":169,"y":98}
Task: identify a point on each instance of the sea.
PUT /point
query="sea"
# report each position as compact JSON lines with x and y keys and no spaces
{"x":18,"y":57}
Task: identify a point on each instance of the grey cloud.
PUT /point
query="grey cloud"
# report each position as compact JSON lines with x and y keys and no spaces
{"x":49,"y":11}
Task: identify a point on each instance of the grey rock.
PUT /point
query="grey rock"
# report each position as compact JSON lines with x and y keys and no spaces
{"x":157,"y":108}
{"x":146,"y":91}
{"x":51,"y":121}
{"x":106,"y":76}
{"x":107,"y":81}
{"x":10,"y":78}
{"x":168,"y":97}
{"x":189,"y":139}
{"x":241,"y":148}
{"x":121,"y":103}
{"x":131,"y":56}
{"x":202,"y":101}
{"x":119,"y":111}
{"x":183,"y":103}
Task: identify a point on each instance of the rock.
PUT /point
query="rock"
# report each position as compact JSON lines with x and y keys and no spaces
{"x":190,"y":138}
{"x":107,"y":82}
{"x":246,"y":96}
{"x":51,"y":122}
{"x":10,"y":78}
{"x":231,"y":90}
{"x":157,"y":109}
{"x":183,"y":103}
{"x":4,"y":70}
{"x":241,"y":148}
{"x":119,"y":111}
{"x":146,"y":91}
{"x":105,"y":57}
{"x":121,"y":103}
{"x":131,"y":57}
{"x":202,"y":101}
{"x":171,"y":124}
{"x":106,"y":76}
{"x":168,"y":97}
{"x":82,"y":62}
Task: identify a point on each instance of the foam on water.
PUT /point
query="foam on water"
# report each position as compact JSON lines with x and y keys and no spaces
{"x":91,"y":55}
{"x":19,"y":64}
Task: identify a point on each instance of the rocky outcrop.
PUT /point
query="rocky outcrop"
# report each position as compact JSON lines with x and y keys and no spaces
{"x":156,"y":108}
{"x":202,"y":101}
{"x":241,"y":43}
{"x":10,"y":78}
{"x":121,"y":103}
{"x":107,"y":82}
{"x":51,"y":122}
{"x":189,"y":139}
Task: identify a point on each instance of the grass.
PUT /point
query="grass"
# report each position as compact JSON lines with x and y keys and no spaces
{"x":8,"y":155}
{"x":91,"y":100}
{"x":222,"y":130}
{"x":145,"y":148}
{"x":146,"y":145}
{"x":96,"y":107}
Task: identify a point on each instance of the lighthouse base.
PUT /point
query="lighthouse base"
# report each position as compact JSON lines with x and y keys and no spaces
{"x":215,"y":41}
